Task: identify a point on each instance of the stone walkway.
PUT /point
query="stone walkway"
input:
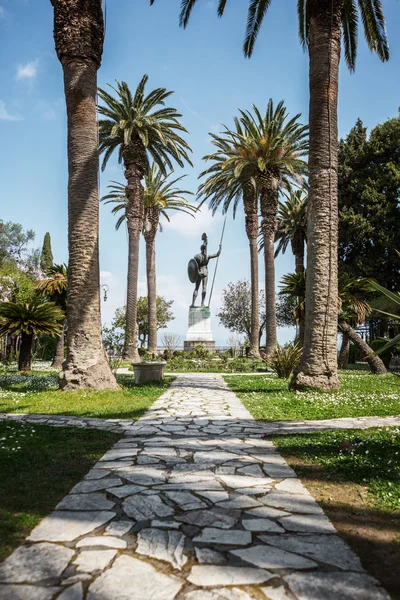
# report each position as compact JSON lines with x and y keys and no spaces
{"x":193,"y":503}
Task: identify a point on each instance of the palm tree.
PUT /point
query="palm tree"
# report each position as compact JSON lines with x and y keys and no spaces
{"x":272,"y":153}
{"x":139,"y":129}
{"x":55,"y":287}
{"x":352,"y":310}
{"x":160,"y":197}
{"x":292,"y":224}
{"x":79,"y":36}
{"x":27,"y":320}
{"x":225,"y":186}
{"x":321,"y":24}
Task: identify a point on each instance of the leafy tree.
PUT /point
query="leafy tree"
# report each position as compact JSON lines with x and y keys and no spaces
{"x":79,"y":37}
{"x":285,"y":307}
{"x":46,"y":257}
{"x":27,"y":320}
{"x":322,"y":25}
{"x":164,"y":316}
{"x":55,"y":288}
{"x":13,"y":242}
{"x":235,"y":311}
{"x":369,"y":203}
{"x":140,"y":127}
{"x":160,"y":197}
{"x":16,"y":285}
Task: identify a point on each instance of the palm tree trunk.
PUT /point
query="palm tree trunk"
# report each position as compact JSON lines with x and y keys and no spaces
{"x":79,"y":34}
{"x":134,"y":217}
{"x":269,"y":209}
{"x":298,"y":247}
{"x":251,"y":219}
{"x":59,"y":353}
{"x":151,"y":289}
{"x":375,"y":363}
{"x":25,"y":352}
{"x":318,"y":366}
{"x":343,"y":360}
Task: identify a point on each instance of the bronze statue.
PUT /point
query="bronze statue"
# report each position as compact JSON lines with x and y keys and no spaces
{"x":198,"y":269}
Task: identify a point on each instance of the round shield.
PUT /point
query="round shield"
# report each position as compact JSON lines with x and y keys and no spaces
{"x":193,"y":270}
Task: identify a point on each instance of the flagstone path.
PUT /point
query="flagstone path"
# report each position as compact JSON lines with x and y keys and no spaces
{"x":193,"y":503}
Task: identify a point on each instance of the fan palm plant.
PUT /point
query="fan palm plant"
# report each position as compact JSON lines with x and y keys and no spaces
{"x":273,"y":148}
{"x":55,"y":288}
{"x":27,"y":320}
{"x":322,"y":24}
{"x":140,"y":127}
{"x":79,"y":36}
{"x":352,"y":310}
{"x":225,"y":186}
{"x":160,"y":197}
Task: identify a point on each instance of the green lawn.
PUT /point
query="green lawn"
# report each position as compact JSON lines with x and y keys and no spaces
{"x":38,"y":393}
{"x":361,"y":394}
{"x":39,"y":465}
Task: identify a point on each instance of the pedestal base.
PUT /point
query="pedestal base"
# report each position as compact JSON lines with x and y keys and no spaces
{"x":199,"y":331}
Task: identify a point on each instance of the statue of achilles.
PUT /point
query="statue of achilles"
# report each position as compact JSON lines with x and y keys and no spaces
{"x":198,"y":269}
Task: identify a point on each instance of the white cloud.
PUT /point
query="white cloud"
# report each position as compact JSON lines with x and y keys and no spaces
{"x":27,"y":71}
{"x":105,"y":274}
{"x":194,"y":227}
{"x":5,"y":115}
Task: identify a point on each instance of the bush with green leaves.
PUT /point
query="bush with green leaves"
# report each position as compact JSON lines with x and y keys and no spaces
{"x":386,"y":355}
{"x":285,"y":359}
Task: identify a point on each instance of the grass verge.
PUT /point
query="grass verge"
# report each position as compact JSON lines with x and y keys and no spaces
{"x":355,"y":477}
{"x":38,"y":393}
{"x":361,"y":395}
{"x":39,"y":464}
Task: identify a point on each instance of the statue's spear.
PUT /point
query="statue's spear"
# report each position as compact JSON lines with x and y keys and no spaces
{"x":216,"y":265}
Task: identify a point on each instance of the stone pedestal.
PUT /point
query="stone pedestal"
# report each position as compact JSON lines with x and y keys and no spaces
{"x":199,"y":331}
{"x":148,"y":371}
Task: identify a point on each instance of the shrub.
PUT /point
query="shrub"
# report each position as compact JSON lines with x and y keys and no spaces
{"x":285,"y":359}
{"x":379,"y":343}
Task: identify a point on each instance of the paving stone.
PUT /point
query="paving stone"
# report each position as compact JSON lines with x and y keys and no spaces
{"x":214,"y":496}
{"x":229,"y":537}
{"x":328,"y":549}
{"x":208,"y":556}
{"x":267,"y":557}
{"x":276,"y":593}
{"x":220,"y":594}
{"x":243,"y":481}
{"x":144,"y":475}
{"x":126,"y":490}
{"x":240,"y":501}
{"x":267,"y":512}
{"x":37,"y":562}
{"x":76,"y":579}
{"x":96,"y":474}
{"x":308,"y":523}
{"x":26,"y":592}
{"x":193,"y":486}
{"x":142,"y":507}
{"x":107,"y":541}
{"x":66,"y":526}
{"x":252,"y":470}
{"x":118,"y":528}
{"x":292,"y":486}
{"x":117,"y":453}
{"x":165,"y":524}
{"x":291,"y":503}
{"x":162,"y":544}
{"x":213,"y":457}
{"x":210,"y":518}
{"x":120,"y":582}
{"x":94,"y":560}
{"x":95,"y":501}
{"x":75,"y":592}
{"x":210,"y":575}
{"x":332,"y":586}
{"x":262,"y":525}
{"x":186,"y":500}
{"x":85,"y":487}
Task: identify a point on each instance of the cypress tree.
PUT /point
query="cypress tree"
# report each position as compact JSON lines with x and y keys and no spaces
{"x":46,"y":257}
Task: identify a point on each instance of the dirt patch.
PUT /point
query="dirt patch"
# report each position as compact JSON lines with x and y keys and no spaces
{"x":372,"y":533}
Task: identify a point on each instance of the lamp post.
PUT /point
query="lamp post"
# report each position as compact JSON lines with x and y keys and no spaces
{"x":105,"y":288}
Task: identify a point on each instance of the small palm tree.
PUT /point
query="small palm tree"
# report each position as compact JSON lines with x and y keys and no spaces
{"x":292,"y":226}
{"x":352,"y":310}
{"x":227,"y":186}
{"x":27,"y":320}
{"x":140,"y":127}
{"x":55,"y":288}
{"x":272,"y":150}
{"x":160,"y":197}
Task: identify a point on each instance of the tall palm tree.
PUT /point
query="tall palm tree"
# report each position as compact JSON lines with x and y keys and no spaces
{"x":79,"y":36}
{"x":140,"y":127}
{"x":292,"y":225}
{"x":322,"y":23}
{"x":27,"y":320}
{"x":160,"y":197}
{"x":352,"y":310}
{"x":225,"y":186}
{"x":55,"y":287}
{"x":272,"y":151}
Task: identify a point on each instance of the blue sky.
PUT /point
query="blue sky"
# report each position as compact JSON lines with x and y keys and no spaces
{"x":205,"y":67}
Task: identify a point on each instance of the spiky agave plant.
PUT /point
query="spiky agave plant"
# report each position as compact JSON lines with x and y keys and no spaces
{"x":28,"y":320}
